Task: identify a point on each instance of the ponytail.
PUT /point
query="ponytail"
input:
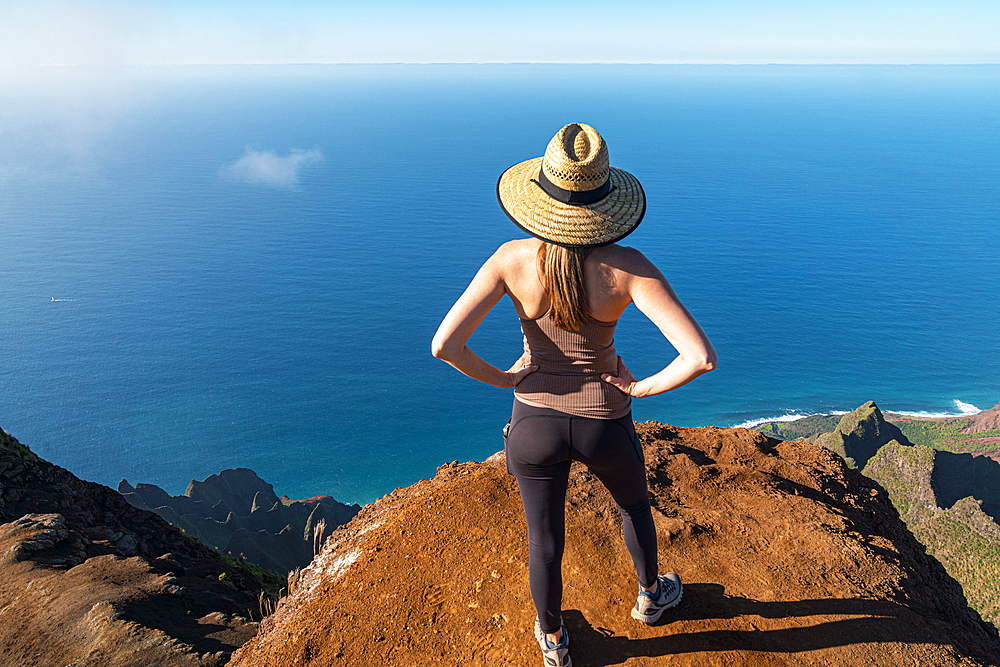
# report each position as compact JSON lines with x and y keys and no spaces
{"x":562,"y":277}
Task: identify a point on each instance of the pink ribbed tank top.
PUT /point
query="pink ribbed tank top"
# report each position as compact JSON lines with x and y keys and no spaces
{"x":570,"y":365}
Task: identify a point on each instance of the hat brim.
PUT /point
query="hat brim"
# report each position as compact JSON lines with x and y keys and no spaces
{"x":571,"y":225}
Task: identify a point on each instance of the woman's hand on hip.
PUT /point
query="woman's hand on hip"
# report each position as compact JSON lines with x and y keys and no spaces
{"x":624,"y":380}
{"x":520,"y":370}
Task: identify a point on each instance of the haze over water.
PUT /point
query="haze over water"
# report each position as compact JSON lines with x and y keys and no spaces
{"x":212,"y":267}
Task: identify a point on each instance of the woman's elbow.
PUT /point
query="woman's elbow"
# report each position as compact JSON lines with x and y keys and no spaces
{"x":441,"y":348}
{"x":708,"y":361}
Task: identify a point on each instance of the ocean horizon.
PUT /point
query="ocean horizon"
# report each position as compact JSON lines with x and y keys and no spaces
{"x":242,"y":266}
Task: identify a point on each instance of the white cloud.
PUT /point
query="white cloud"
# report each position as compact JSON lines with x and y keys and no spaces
{"x":267,"y":168}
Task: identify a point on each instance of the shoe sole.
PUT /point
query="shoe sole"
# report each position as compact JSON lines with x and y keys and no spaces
{"x":650,"y":620}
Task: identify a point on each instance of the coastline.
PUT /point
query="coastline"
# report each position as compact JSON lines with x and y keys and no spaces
{"x":965,"y":410}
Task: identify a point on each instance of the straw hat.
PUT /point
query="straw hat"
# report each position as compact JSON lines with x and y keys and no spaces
{"x":571,"y":196}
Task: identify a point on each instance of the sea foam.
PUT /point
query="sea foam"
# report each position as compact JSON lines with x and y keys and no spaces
{"x":964,"y":410}
{"x":783,"y":418}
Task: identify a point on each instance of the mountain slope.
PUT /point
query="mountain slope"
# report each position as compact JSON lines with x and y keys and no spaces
{"x":860,"y":434}
{"x":88,"y":580}
{"x":788,"y":557}
{"x":984,"y":421}
{"x":957,"y":531}
{"x":239,"y":514}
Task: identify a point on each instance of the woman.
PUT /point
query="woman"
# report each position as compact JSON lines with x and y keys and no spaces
{"x":572,"y":394}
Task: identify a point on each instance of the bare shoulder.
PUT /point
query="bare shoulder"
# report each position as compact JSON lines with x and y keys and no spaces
{"x":518,"y":246}
{"x":514,"y":254}
{"x":626,"y":261}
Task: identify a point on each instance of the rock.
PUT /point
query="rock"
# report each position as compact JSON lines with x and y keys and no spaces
{"x":127,"y":545}
{"x":860,"y":434}
{"x":221,"y":511}
{"x":940,"y":496}
{"x":152,"y":495}
{"x":260,"y":503}
{"x":237,"y":487}
{"x":29,"y":535}
{"x":257,"y":530}
{"x":134,"y":500}
{"x":905,"y":473}
{"x":958,"y":476}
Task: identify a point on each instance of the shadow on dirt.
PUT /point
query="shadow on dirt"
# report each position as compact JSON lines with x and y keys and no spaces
{"x":877,"y":621}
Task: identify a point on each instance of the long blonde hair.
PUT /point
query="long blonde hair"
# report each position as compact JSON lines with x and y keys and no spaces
{"x":561,"y":271}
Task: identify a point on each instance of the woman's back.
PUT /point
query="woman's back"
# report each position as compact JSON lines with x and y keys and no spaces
{"x":608,"y":271}
{"x":570,"y":365}
{"x":570,"y":361}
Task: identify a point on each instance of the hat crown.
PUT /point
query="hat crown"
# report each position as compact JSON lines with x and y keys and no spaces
{"x":577,"y":159}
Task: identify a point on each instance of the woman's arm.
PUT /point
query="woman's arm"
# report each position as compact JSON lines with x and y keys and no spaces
{"x":652,"y":294}
{"x":449,"y":343}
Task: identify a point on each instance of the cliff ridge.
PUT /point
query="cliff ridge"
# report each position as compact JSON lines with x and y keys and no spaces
{"x":88,"y":580}
{"x":860,"y":434}
{"x":238,"y":513}
{"x":788,"y":557}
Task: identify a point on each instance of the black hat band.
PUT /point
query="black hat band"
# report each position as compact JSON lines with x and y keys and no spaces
{"x":573,"y":197}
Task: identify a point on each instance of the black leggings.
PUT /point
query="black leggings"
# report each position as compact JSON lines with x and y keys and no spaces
{"x":540,"y":445}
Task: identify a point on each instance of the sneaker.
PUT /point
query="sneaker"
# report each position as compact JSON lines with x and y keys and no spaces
{"x":555,"y":656}
{"x":649,"y":607}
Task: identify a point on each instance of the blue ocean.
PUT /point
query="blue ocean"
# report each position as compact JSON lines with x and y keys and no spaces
{"x":214,"y":267}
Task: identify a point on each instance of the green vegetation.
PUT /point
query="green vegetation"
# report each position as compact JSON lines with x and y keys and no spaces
{"x":806,"y":428}
{"x":860,"y":434}
{"x":963,"y":538}
{"x":11,"y":448}
{"x":901,"y":456}
{"x":240,"y":572}
{"x":905,"y":473}
{"x":946,"y":435}
{"x":270,"y":582}
{"x":973,"y":558}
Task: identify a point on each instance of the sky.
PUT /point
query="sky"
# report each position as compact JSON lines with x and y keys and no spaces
{"x":160,"y":32}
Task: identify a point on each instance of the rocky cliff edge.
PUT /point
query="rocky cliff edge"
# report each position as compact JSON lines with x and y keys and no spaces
{"x":87,"y":580}
{"x":788,"y":557}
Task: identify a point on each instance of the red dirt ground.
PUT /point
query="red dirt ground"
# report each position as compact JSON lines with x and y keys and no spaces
{"x":787,"y":556}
